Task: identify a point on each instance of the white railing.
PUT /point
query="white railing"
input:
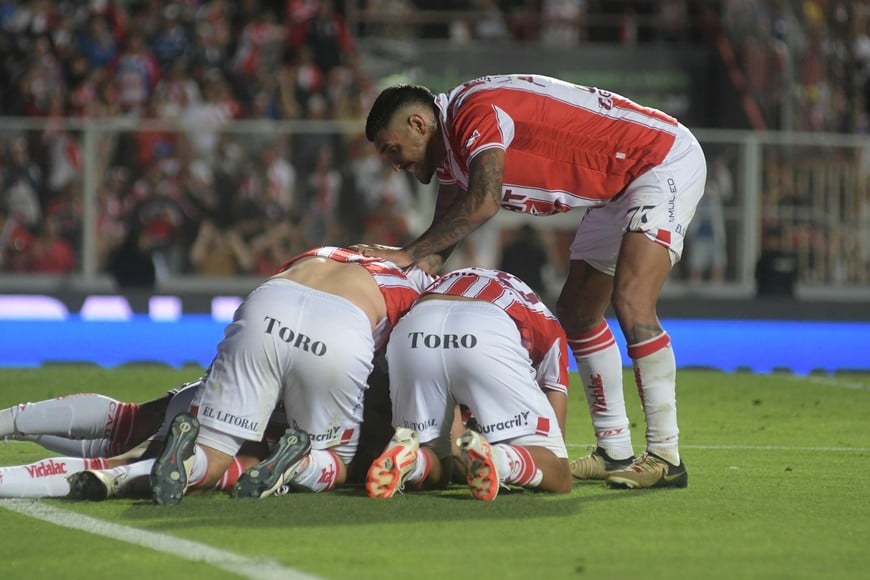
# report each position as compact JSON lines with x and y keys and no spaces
{"x":815,"y":186}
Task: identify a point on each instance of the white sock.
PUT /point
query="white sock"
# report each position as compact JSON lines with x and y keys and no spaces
{"x":199,"y":468}
{"x":318,"y":472}
{"x":84,"y":416}
{"x":655,"y":371}
{"x":515,"y":465}
{"x":421,"y":468}
{"x":76,"y":447}
{"x":7,"y":422}
{"x":600,"y":366}
{"x":46,"y":478}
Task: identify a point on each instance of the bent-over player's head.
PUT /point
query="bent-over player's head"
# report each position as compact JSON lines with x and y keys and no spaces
{"x":403,"y":125}
{"x":393,"y":99}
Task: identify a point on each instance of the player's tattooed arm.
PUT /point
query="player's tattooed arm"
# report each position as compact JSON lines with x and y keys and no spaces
{"x":458,"y":214}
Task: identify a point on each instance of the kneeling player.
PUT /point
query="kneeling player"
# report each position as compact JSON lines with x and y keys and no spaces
{"x":305,"y":338}
{"x":479,"y":338}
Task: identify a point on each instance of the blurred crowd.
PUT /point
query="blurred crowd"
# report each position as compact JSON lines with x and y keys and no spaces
{"x":806,"y":62}
{"x":181,"y":194}
{"x":190,"y":198}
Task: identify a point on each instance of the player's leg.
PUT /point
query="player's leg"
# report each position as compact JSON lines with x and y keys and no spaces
{"x":83,"y":416}
{"x":581,"y":308}
{"x":129,"y":475}
{"x":87,"y":424}
{"x":658,"y":209}
{"x":422,"y":411}
{"x":236,"y":401}
{"x":44,"y":478}
{"x":322,"y":391}
{"x":520,"y":440}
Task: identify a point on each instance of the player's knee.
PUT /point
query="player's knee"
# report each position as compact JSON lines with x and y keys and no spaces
{"x":574,"y":317}
{"x":632,"y":304}
{"x":557,"y":478}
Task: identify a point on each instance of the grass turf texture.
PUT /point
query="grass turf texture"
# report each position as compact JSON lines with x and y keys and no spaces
{"x":777,"y":466}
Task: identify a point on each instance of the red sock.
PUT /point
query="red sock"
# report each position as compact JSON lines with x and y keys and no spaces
{"x":121,"y":423}
{"x":96,"y":463}
{"x":231,"y":475}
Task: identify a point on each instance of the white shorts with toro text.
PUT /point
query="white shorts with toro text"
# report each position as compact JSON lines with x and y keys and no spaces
{"x":289,"y":343}
{"x":446,"y":352}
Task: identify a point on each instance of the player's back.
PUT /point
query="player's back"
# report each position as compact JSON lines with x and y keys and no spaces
{"x":558,"y":137}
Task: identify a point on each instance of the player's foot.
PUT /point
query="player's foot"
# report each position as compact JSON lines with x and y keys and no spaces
{"x":93,"y":485}
{"x":171,"y":472}
{"x":388,"y":472}
{"x":481,"y":473}
{"x":650,"y":470}
{"x":265,"y":478}
{"x":597,"y":465}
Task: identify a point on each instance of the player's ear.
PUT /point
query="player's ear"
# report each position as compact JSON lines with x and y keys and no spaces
{"x":418,"y":123}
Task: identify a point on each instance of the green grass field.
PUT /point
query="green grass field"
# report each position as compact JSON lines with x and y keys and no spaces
{"x":778,"y":468}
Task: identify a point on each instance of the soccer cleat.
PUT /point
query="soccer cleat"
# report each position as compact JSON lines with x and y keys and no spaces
{"x":481,"y":473}
{"x":388,"y":472}
{"x":597,"y":465}
{"x":171,"y":471}
{"x":647,"y":471}
{"x":93,"y":485}
{"x":265,"y":478}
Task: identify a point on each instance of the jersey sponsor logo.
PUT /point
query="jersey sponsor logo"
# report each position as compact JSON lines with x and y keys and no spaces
{"x":522,"y":203}
{"x":45,"y":469}
{"x":419,"y":426}
{"x":229,"y":418}
{"x":518,"y":420}
{"x":295,"y":339}
{"x":331,"y":434}
{"x":471,"y":140}
{"x":445,"y":341}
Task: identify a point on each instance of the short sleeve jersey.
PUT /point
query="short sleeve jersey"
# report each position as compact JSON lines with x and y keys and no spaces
{"x":399,"y":287}
{"x":566,"y":145}
{"x":542,"y":335}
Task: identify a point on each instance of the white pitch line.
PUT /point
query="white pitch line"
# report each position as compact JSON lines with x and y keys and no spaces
{"x":245,"y":567}
{"x":758,"y":448}
{"x":830,"y":382}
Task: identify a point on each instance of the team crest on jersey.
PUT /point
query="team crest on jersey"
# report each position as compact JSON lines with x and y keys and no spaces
{"x":471,"y":140}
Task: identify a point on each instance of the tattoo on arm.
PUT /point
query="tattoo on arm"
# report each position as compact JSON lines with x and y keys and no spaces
{"x":467,"y":212}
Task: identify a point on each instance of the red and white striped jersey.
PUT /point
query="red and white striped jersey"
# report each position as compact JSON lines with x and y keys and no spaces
{"x":541,"y":333}
{"x":399,"y":287}
{"x":566,"y":145}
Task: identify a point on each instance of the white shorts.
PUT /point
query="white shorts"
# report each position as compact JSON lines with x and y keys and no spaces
{"x":289,"y":343}
{"x":660,"y":204}
{"x":445,"y":352}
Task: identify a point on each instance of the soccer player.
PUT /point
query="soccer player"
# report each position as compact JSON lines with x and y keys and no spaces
{"x":542,"y":146}
{"x":479,"y":338}
{"x":306,"y":337}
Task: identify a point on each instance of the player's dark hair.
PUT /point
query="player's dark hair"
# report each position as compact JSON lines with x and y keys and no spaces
{"x":391,"y":100}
